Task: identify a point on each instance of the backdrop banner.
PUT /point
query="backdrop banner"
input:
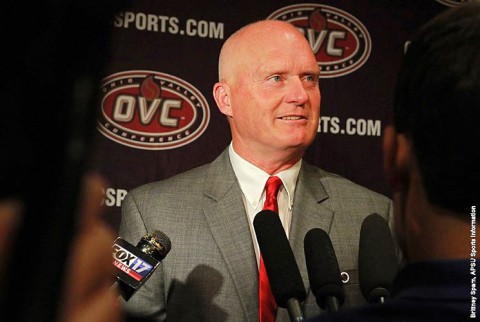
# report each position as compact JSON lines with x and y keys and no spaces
{"x":158,"y":117}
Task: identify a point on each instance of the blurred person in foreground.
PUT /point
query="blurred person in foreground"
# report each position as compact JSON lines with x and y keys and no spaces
{"x":268,"y":89}
{"x":55,"y":252}
{"x":86,"y":294}
{"x":432,"y":161}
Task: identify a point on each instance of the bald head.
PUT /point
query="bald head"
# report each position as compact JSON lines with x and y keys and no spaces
{"x":253,"y":40}
{"x":268,"y":89}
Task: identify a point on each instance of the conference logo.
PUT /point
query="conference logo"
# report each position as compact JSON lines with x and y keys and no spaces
{"x":151,"y":110}
{"x":341,"y":43}
{"x":455,"y":3}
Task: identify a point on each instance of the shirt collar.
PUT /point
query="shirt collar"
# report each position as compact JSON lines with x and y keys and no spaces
{"x":252,"y":180}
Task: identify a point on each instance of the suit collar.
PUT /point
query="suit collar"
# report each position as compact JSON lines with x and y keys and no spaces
{"x":310,"y":210}
{"x":228,"y":222}
{"x":220,"y":178}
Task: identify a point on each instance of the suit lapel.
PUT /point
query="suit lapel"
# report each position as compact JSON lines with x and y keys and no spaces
{"x":309,"y":211}
{"x":228,"y":223}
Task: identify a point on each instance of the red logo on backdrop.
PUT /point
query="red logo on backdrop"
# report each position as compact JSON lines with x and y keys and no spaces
{"x":455,"y":3}
{"x":341,"y":43}
{"x":151,"y":110}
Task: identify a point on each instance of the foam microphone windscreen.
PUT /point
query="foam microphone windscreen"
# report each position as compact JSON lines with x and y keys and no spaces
{"x":283,"y":274}
{"x":377,"y":261}
{"x":155,"y":244}
{"x":322,"y":266}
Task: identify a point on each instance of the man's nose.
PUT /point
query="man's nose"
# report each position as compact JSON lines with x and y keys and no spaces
{"x":296,"y":92}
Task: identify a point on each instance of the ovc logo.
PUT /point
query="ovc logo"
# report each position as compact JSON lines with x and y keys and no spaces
{"x":341,"y":43}
{"x":151,"y":110}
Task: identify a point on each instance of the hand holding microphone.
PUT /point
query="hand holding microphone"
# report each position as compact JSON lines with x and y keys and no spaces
{"x":134,"y":265}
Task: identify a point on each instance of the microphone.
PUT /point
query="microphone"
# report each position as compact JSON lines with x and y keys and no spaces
{"x":377,"y":262}
{"x":283,"y":273}
{"x":323,"y":270}
{"x":134,"y":265}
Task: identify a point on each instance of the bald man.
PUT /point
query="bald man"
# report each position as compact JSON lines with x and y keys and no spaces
{"x":268,"y":90}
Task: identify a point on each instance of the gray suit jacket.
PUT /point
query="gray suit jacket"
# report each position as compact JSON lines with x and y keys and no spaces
{"x":211,"y":272}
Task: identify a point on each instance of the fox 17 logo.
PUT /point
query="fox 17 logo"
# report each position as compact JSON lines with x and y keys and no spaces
{"x":130,"y":264}
{"x":151,"y":110}
{"x":341,"y":43}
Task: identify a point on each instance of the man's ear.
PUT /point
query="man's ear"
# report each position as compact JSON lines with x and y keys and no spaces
{"x":397,"y":158}
{"x":221,"y":93}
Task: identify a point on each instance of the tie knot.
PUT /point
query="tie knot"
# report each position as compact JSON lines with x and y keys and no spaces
{"x":272,"y":186}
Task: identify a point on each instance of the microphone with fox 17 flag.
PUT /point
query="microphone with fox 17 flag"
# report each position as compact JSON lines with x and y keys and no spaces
{"x":134,"y":265}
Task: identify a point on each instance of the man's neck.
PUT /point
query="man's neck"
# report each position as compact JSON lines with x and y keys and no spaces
{"x":269,"y":162}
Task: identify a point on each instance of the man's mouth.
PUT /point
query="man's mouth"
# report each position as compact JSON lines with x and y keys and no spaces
{"x":291,"y":118}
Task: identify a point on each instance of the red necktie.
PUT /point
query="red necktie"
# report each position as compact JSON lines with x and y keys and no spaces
{"x":268,"y":306}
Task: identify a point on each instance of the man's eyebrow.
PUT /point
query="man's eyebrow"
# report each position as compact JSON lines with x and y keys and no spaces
{"x":311,"y":72}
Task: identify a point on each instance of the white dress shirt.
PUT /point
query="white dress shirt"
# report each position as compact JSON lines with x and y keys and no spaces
{"x":252,"y":181}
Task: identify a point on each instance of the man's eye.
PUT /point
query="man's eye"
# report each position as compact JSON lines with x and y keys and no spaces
{"x":275,"y":78}
{"x":310,"y":78}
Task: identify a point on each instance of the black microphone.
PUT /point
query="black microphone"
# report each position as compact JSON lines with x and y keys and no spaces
{"x":134,"y":265}
{"x":283,"y":273}
{"x":377,"y":262}
{"x":323,"y":270}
